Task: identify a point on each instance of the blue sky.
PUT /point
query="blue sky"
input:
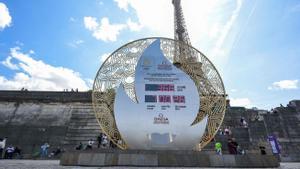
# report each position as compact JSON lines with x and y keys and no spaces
{"x":53,"y":45}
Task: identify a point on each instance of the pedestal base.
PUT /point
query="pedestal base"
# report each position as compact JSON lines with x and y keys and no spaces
{"x":165,"y":159}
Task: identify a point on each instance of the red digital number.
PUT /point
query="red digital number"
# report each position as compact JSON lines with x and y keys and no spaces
{"x":164,"y":99}
{"x":178,"y":99}
{"x":166,"y":87}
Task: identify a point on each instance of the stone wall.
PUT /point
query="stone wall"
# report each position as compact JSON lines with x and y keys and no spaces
{"x":30,"y":119}
{"x":30,"y":124}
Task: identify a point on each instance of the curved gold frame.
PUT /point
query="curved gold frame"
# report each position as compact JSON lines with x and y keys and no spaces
{"x":119,"y":67}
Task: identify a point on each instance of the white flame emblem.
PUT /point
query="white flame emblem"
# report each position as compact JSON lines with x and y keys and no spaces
{"x":168,"y":102}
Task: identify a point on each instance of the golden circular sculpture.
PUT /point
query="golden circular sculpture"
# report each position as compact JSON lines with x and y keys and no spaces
{"x":119,"y":67}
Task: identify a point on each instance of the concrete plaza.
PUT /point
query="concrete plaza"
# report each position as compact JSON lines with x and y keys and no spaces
{"x":54,"y":164}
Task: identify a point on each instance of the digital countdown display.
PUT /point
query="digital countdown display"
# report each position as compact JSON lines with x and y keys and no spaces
{"x":162,"y":98}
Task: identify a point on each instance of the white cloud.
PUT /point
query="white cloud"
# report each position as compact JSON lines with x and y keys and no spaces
{"x":155,"y":15}
{"x":218,"y":50}
{"x":133,"y":26}
{"x":284,"y":85}
{"x":122,"y":4}
{"x":104,"y":56}
{"x":7,"y":62}
{"x":103,"y":31}
{"x":241,"y":102}
{"x":90,"y":83}
{"x":90,"y":23}
{"x":5,"y":18}
{"x":37,"y":75}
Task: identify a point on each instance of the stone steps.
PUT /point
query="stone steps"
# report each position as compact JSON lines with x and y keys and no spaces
{"x":82,"y":134}
{"x":80,"y":138}
{"x":82,"y":126}
{"x":94,"y":127}
{"x":83,"y":122}
{"x":87,"y":116}
{"x":82,"y":131}
{"x":82,"y":111}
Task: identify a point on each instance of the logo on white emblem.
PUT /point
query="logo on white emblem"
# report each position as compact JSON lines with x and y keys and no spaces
{"x":161,"y":119}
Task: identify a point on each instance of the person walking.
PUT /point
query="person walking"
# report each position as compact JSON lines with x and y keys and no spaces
{"x":99,"y":139}
{"x":232,"y":146}
{"x":2,"y":146}
{"x":79,"y":146}
{"x":44,"y":150}
{"x":262,"y":150}
{"x":10,"y":151}
{"x":218,"y":148}
{"x":240,"y":150}
{"x":90,"y":144}
{"x":18,"y":152}
{"x":235,"y":145}
{"x":104,"y":142}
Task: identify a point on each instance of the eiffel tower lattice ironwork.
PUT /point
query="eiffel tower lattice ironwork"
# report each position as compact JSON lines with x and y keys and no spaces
{"x":180,"y":31}
{"x":182,"y":54}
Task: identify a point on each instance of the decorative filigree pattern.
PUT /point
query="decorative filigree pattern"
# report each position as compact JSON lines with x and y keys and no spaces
{"x":119,"y":67}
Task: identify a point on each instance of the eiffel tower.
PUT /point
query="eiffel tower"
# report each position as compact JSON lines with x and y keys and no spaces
{"x":184,"y":57}
{"x":187,"y":59}
{"x":180,"y":31}
{"x":182,"y":52}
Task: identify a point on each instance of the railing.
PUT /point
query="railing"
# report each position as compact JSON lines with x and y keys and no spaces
{"x":44,"y":96}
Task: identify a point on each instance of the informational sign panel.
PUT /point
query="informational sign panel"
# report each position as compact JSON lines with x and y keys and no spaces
{"x":274,"y":144}
{"x":167,"y":104}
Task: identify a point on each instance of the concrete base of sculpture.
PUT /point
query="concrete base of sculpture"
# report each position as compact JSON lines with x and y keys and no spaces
{"x":165,"y":159}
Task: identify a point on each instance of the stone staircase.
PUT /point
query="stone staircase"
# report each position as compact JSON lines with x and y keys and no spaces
{"x":289,"y":135}
{"x":82,"y":126}
{"x":241,"y":134}
{"x":291,"y":122}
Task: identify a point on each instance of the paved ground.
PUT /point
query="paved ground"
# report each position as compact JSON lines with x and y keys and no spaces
{"x":54,"y":164}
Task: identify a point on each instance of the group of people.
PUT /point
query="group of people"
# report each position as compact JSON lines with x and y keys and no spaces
{"x":233,"y":147}
{"x":88,"y":146}
{"x":45,"y":148}
{"x":72,"y":90}
{"x":24,"y":89}
{"x":102,"y":142}
{"x":8,"y":151}
{"x":226,"y":131}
